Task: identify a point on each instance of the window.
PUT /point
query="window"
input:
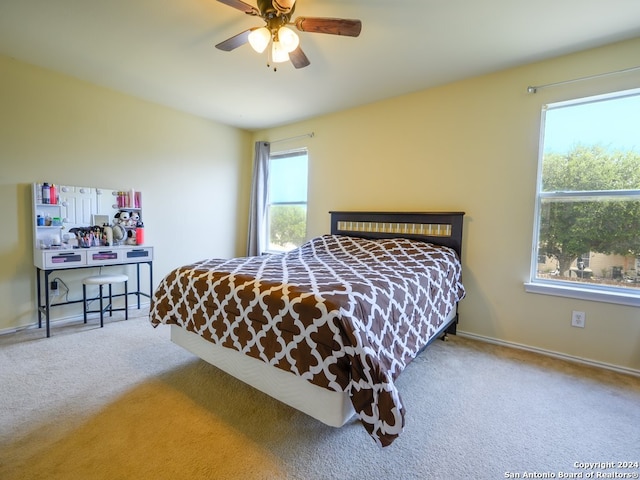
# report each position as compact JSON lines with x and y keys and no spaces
{"x":587,"y":225}
{"x":287,"y":200}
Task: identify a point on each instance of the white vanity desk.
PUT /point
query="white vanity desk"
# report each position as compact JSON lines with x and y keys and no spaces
{"x":49,"y":261}
{"x":57,"y":210}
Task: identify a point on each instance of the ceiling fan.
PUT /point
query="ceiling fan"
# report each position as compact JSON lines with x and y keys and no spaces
{"x":285,"y":44}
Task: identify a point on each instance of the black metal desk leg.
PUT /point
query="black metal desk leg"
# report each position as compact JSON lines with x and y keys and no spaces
{"x":138,"y":283}
{"x":39,"y":298}
{"x":47,"y":312}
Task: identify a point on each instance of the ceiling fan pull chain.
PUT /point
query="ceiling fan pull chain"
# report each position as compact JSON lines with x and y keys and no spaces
{"x":269,"y":58}
{"x":270,"y":61}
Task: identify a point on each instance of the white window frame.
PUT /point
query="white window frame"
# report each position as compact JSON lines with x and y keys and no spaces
{"x":275,"y":156}
{"x":561,"y":288}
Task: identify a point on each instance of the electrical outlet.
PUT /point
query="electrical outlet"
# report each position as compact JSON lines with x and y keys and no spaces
{"x":578,"y":319}
{"x":54,"y":288}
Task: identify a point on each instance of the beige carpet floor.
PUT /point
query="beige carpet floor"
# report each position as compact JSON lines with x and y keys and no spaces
{"x":123,"y":402}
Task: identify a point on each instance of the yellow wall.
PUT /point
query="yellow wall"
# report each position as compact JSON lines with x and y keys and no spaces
{"x":472,"y":146}
{"x":193,"y":174}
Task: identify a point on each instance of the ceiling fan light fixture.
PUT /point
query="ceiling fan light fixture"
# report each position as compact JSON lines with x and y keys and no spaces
{"x":259,"y":39}
{"x":278,"y":53}
{"x":279,"y":30}
{"x":288,"y":39}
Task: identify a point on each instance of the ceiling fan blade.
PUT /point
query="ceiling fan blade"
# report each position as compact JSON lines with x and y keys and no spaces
{"x":242,"y":6}
{"x":235,"y":41}
{"x":298,"y":58}
{"x":284,"y":6}
{"x":332,"y":26}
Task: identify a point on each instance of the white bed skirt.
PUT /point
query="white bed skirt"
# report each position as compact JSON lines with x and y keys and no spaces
{"x":331,"y":408}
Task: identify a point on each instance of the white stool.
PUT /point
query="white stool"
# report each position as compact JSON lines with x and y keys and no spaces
{"x":105,"y":280}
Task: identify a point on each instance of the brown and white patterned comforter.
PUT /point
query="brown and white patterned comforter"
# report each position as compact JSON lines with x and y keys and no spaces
{"x":344,"y":313}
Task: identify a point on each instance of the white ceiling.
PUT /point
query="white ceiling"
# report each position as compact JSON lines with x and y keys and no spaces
{"x":163,"y":50}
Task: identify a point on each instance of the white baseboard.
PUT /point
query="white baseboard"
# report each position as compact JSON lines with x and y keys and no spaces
{"x":550,"y":353}
{"x":62,"y":320}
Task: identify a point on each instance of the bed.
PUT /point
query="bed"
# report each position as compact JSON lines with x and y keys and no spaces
{"x":328,"y":327}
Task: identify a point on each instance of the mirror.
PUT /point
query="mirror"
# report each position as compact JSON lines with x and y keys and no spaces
{"x":82,"y":206}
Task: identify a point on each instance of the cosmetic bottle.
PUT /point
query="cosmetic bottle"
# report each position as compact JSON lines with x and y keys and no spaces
{"x":140,"y":233}
{"x":46,"y":193}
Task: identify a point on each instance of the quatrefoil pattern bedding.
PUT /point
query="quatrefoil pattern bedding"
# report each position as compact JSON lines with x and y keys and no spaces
{"x":344,"y":313}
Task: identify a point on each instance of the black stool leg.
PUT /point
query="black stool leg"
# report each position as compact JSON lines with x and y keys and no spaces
{"x":110,"y":302}
{"x":101,"y":309}
{"x":126,"y":301}
{"x":84,"y":301}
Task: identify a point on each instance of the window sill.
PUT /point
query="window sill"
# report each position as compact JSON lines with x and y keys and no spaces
{"x":607,"y":296}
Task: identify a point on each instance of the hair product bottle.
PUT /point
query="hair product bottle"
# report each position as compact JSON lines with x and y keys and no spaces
{"x":46,"y":193}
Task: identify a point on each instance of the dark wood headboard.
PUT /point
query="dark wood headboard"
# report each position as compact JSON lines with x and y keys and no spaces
{"x":441,"y":228}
